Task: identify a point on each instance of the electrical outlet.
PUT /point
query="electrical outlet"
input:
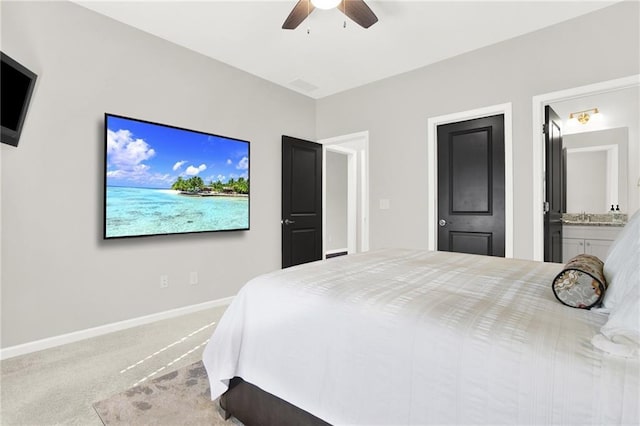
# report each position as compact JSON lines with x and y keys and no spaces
{"x":164,"y":281}
{"x":193,"y":278}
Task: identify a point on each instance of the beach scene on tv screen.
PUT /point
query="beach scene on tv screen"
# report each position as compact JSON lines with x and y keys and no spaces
{"x":165,"y":180}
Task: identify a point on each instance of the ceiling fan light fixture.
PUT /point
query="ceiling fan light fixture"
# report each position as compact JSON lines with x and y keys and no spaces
{"x":356,"y":10}
{"x":325,"y":4}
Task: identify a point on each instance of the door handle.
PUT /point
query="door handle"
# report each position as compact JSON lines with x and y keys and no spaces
{"x":288,"y":222}
{"x":442,"y":222}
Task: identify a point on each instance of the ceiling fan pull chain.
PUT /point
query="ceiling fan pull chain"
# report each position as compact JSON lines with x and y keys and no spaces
{"x":308,"y":13}
{"x":344,"y":7}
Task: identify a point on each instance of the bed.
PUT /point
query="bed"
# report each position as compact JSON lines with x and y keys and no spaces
{"x":417,"y":337}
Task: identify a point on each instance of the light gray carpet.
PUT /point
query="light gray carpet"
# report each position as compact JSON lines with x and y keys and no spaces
{"x":58,"y":386}
{"x":178,"y":398}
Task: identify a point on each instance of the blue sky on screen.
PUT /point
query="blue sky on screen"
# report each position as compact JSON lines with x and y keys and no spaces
{"x":146,"y":155}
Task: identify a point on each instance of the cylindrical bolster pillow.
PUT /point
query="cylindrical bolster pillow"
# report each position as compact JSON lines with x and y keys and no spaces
{"x":581,"y":283}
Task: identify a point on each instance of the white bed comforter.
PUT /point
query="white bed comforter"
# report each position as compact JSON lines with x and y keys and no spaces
{"x":418,"y":337}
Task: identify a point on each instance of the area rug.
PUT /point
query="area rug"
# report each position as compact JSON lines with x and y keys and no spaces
{"x":178,"y":398}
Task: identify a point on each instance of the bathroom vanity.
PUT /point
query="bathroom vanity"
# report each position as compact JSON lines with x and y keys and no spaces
{"x":582,"y":237}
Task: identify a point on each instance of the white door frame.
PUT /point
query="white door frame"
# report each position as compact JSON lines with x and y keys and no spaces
{"x":357,"y":163}
{"x":539,"y":102}
{"x":432,"y":168}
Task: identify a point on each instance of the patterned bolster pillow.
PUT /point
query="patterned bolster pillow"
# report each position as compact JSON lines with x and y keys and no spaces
{"x":581,"y":283}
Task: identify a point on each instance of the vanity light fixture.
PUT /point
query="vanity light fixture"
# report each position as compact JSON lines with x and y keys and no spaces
{"x":583,"y":116}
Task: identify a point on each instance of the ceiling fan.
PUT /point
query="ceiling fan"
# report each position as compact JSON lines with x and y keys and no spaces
{"x":357,"y":10}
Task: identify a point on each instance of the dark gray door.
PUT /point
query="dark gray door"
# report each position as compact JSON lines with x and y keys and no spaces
{"x":471,"y":209}
{"x":554,"y":186}
{"x":301,"y":201}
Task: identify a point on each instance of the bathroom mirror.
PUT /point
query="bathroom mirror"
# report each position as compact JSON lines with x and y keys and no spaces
{"x":596,"y":170}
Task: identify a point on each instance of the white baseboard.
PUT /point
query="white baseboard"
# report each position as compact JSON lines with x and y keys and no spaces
{"x":75,"y":336}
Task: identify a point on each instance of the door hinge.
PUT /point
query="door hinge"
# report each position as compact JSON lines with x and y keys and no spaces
{"x":544,"y":128}
{"x":545,"y":207}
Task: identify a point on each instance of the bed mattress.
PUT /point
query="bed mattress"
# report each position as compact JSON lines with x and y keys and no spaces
{"x":420,"y":337}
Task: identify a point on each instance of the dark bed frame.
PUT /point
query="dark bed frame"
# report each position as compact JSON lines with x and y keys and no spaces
{"x":254,"y":406}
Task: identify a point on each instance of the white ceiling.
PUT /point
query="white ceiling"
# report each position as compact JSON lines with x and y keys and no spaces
{"x":331,"y":59}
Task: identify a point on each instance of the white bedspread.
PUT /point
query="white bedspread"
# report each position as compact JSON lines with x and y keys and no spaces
{"x":419,"y":337}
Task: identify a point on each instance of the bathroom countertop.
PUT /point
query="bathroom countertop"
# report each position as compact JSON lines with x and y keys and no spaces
{"x":592,"y":223}
{"x":594,"y":219}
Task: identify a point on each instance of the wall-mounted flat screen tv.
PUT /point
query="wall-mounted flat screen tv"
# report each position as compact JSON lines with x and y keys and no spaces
{"x":162,"y":179}
{"x":16,"y":87}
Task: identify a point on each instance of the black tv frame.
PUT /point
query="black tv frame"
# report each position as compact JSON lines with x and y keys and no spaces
{"x":12,"y":136}
{"x":105,"y":183}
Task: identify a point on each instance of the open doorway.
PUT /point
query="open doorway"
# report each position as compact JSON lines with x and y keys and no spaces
{"x":339,"y":237}
{"x":345,"y":194}
{"x":573,"y":100}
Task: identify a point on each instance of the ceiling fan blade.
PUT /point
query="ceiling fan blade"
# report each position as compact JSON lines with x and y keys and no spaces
{"x":299,"y":13}
{"x":359,"y":12}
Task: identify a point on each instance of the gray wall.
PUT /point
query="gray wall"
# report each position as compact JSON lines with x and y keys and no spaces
{"x":395,"y":111}
{"x":58,"y":276}
{"x":336,"y":201}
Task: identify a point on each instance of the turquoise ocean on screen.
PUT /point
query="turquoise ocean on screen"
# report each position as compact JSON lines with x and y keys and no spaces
{"x":150,"y":211}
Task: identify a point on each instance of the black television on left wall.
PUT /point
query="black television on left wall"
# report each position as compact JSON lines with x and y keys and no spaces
{"x":16,"y":87}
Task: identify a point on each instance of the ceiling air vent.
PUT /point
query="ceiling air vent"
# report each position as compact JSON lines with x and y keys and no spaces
{"x":305,"y":86}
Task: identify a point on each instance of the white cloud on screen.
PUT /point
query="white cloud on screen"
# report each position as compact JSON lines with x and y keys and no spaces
{"x":243,"y":164}
{"x":193,"y":171}
{"x":160,"y":178}
{"x":115,"y":174}
{"x":125,"y":152}
{"x":126,"y":156}
{"x":178,"y":165}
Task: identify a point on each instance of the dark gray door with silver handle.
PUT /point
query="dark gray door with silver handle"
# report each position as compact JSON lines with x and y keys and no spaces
{"x":471,"y":185}
{"x":301,"y":221}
